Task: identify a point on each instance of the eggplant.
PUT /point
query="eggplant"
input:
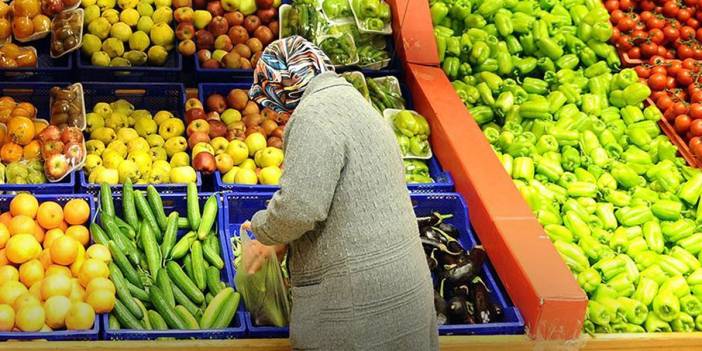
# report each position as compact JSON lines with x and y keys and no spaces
{"x":454,"y":248}
{"x":484,"y":309}
{"x":432,"y":220}
{"x":431,"y":261}
{"x":432,"y":237}
{"x":447,"y":262}
{"x":461,"y":310}
{"x":461,"y":290}
{"x":448,"y":229}
{"x":441,"y":308}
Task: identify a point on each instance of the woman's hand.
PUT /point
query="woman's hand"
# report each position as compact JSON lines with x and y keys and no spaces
{"x":255,"y":254}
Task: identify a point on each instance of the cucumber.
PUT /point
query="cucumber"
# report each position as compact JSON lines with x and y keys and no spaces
{"x":143,"y":263}
{"x":157,"y":322}
{"x":188,"y":265}
{"x":208,"y":298}
{"x":106,"y":203}
{"x":145,"y":319}
{"x":212,"y":256}
{"x":183,"y":223}
{"x":156,"y":206}
{"x":124,"y":244}
{"x":184,"y":283}
{"x":123,"y":263}
{"x":99,"y":235}
{"x":125,"y":227}
{"x":169,"y":235}
{"x":123,"y":291}
{"x":125,"y":318}
{"x":198,"y":265}
{"x":164,"y":283}
{"x":151,"y":250}
{"x":113,"y":323}
{"x":227,"y":312}
{"x":193,"y":204}
{"x":188,"y":318}
{"x":209,"y":215}
{"x":213,"y":308}
{"x":213,"y":280}
{"x":185,"y":301}
{"x":182,"y":247}
{"x":169,"y":315}
{"x":213,"y":242}
{"x":128,"y":207}
{"x":146,"y":214}
{"x":140,"y":294}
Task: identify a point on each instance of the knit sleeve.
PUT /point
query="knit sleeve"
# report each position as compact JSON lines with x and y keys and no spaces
{"x":313,"y":163}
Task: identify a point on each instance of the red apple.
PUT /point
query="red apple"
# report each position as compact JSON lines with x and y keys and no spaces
{"x":251,"y":23}
{"x":50,"y":148}
{"x":204,"y":55}
{"x":218,"y":26}
{"x":275,"y":142}
{"x":215,"y":8}
{"x":198,"y":125}
{"x":50,"y":133}
{"x":204,"y":39}
{"x":181,"y":3}
{"x":217,"y":103}
{"x":193,"y":114}
{"x":278,"y":133}
{"x":267,"y":15}
{"x":74,"y":152}
{"x":235,"y":18}
{"x":71,"y":135}
{"x":264,"y":4}
{"x":204,"y":162}
{"x":217,"y":128}
{"x":199,"y":4}
{"x":185,"y":31}
{"x":213,"y":115}
{"x":56,"y":166}
{"x":197,"y":137}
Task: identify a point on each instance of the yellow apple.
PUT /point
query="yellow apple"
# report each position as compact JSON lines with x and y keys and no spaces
{"x":230,"y":176}
{"x":170,"y":128}
{"x":255,"y":142}
{"x":224,"y":162}
{"x":175,"y":145}
{"x":162,"y":116}
{"x":200,"y":147}
{"x":248,"y":164}
{"x":270,"y":175}
{"x":238,"y":150}
{"x":246,"y":176}
{"x":106,"y":175}
{"x":127,"y":134}
{"x":220,"y":145}
{"x":185,"y":174}
{"x":180,"y":159}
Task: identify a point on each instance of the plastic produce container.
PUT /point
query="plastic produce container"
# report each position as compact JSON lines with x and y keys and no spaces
{"x":239,"y":207}
{"x":47,"y":69}
{"x":57,"y":335}
{"x":443,"y":181}
{"x":178,"y":202}
{"x":151,"y":96}
{"x":38,"y":95}
{"x":169,"y":72}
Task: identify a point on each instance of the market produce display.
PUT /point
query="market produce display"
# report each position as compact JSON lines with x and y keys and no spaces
{"x":128,"y":33}
{"x":412,"y":132}
{"x":236,"y":138}
{"x":48,"y":279}
{"x":586,"y":155}
{"x":226,"y":34}
{"x":165,"y":278}
{"x":66,"y":34}
{"x":129,"y":144}
{"x":460,"y":295}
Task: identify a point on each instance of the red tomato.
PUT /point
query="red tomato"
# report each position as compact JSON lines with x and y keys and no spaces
{"x":656,"y":81}
{"x":685,"y":52}
{"x":611,"y":5}
{"x":680,"y":108}
{"x":642,"y":71}
{"x":690,"y":3}
{"x":696,"y":127}
{"x":670,"y":82}
{"x":674,"y":67}
{"x":634,"y":53}
{"x":647,"y":5}
{"x":669,"y":114}
{"x":684,"y":15}
{"x":682,"y":124}
{"x":689,"y":63}
{"x":638,"y":36}
{"x":656,"y":35}
{"x":616,"y":16}
{"x":687,"y":32}
{"x":626,"y":5}
{"x":626,"y":24}
{"x":657,"y":95}
{"x":696,"y":97}
{"x":671,"y":33}
{"x":695,"y":111}
{"x":684,"y":77}
{"x":655,"y":22}
{"x":649,"y":49}
{"x":693,"y":22}
{"x":645,"y":15}
{"x":697,"y":150}
{"x":625,"y":42}
{"x":670,"y":9}
{"x":664,"y":102}
{"x":667,"y":54}
{"x":697,"y":53}
{"x":659,"y":70}
{"x":616,"y":34}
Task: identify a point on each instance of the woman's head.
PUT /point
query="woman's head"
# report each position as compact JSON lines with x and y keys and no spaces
{"x":284,"y":70}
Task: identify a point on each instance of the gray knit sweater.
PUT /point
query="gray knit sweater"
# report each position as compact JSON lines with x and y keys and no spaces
{"x":359,"y":275}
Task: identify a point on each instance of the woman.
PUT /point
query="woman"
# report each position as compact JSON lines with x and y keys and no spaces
{"x":359,"y":277}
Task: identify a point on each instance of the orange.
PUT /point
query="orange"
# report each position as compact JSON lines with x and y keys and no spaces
{"x":63,"y":226}
{"x":76,"y":211}
{"x":7,"y":318}
{"x":10,"y":291}
{"x":20,"y":130}
{"x":35,"y":290}
{"x":3,"y":257}
{"x":45,"y":258}
{"x":5,"y":218}
{"x":24,"y":204}
{"x":56,"y":308}
{"x":4,"y":235}
{"x":80,"y":316}
{"x":55,"y":269}
{"x":11,"y":152}
{"x":21,"y":224}
{"x":32,"y":111}
{"x":80,"y":233}
{"x":100,"y":252}
{"x":8,"y":273}
{"x":92,"y":269}
{"x":30,"y":318}
{"x":32,"y":151}
{"x":55,"y":285}
{"x":31,"y":272}
{"x":78,"y":262}
{"x":101,"y":300}
{"x":39,"y":125}
{"x":22,"y":248}
{"x":64,"y":250}
{"x":25,"y":299}
{"x":50,"y":215}
{"x":51,"y":236}
{"x":100,"y":284}
{"x":38,"y":232}
{"x":77,"y":291}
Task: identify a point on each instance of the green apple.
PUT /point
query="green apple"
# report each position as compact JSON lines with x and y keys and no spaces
{"x":248,"y":164}
{"x":247,"y":7}
{"x":173,"y":127}
{"x":246,"y":176}
{"x":174,"y":145}
{"x":180,"y":159}
{"x":155,"y":140}
{"x":201,"y":18}
{"x":255,"y":142}
{"x":271,"y":156}
{"x":119,"y":147}
{"x":230,"y":116}
{"x":121,"y":31}
{"x":220,"y":145}
{"x":238,"y":150}
{"x":231,"y":175}
{"x":202,"y":147}
{"x":145,"y":24}
{"x":127,"y":134}
{"x":231,"y":5}
{"x":145,"y":126}
{"x":138,"y":144}
{"x":185,"y":174}
{"x":270,"y":175}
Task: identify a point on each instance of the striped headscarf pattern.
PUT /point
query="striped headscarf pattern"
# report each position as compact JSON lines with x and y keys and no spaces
{"x":285,"y":68}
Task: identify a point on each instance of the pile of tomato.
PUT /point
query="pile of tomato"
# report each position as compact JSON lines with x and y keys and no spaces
{"x":644,"y":29}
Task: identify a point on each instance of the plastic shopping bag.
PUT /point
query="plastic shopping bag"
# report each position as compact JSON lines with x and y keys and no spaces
{"x":264,"y":292}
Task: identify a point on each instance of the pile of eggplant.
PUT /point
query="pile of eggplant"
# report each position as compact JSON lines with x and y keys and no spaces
{"x":460,"y":295}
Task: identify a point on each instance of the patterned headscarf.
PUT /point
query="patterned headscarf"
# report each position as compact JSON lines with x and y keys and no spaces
{"x":285,"y":68}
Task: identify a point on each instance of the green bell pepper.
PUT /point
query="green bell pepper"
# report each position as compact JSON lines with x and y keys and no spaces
{"x":589,"y":280}
{"x":654,"y":324}
{"x":677,"y":230}
{"x":634,"y":311}
{"x":684,"y":323}
{"x":654,"y":236}
{"x":572,"y":255}
{"x":646,"y":291}
{"x":691,"y":305}
{"x":666,"y":306}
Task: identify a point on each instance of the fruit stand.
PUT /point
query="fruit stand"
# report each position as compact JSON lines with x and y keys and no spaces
{"x":550,"y":148}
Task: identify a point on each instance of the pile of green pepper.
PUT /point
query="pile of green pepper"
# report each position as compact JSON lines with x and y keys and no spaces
{"x":623,"y":211}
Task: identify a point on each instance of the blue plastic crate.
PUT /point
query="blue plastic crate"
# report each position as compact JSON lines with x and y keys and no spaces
{"x":178,"y":202}
{"x":239,"y":207}
{"x":38,"y":95}
{"x":169,"y":72}
{"x":56,"y":335}
{"x":151,"y":96}
{"x":48,"y":69}
{"x":443,"y":182}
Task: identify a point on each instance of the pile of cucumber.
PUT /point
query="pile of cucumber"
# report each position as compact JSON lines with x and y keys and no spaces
{"x":162,"y":281}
